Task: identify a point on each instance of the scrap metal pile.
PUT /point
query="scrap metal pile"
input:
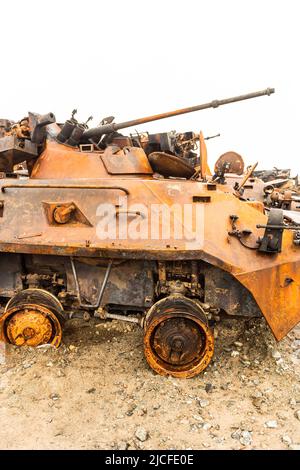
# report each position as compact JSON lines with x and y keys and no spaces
{"x":95,"y":223}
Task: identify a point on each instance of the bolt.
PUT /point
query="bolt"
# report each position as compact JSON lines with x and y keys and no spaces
{"x":28,"y":333}
{"x":177,"y":345}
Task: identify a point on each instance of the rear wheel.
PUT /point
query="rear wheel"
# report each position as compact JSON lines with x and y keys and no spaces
{"x":31,"y":318}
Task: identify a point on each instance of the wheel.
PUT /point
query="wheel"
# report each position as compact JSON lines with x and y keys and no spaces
{"x":31,"y":318}
{"x":178,"y":340}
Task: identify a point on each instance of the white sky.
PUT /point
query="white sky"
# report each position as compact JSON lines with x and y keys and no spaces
{"x":134,"y":58}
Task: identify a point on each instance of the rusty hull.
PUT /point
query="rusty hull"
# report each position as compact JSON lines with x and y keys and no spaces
{"x":81,"y":179}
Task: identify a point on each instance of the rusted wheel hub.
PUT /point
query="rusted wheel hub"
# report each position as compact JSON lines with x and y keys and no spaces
{"x":177,"y":340}
{"x":32,"y":324}
{"x":28,"y":327}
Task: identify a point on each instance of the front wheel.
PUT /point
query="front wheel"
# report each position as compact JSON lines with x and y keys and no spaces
{"x":178,"y":340}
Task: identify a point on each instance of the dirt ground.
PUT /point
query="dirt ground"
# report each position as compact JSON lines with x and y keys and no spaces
{"x":97,"y":392}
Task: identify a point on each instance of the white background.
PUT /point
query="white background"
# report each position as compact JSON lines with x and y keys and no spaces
{"x":136,"y":58}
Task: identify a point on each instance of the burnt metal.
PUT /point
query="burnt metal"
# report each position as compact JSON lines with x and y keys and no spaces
{"x":279,"y":226}
{"x":129,"y":160}
{"x":232,"y":162}
{"x":65,"y":132}
{"x":130,"y":286}
{"x":32,"y":317}
{"x":37,"y":124}
{"x":274,"y":174}
{"x":176,"y":286}
{"x":170,"y":165}
{"x":65,"y":213}
{"x":241,"y":235}
{"x":61,"y":186}
{"x":178,"y":340}
{"x":67,"y":128}
{"x":38,"y":296}
{"x":101,"y":292}
{"x":75,"y":136}
{"x":175,"y":341}
{"x":271,"y":242}
{"x":223,"y":291}
{"x":103,"y":314}
{"x":240,"y":186}
{"x":14,"y":150}
{"x":23,"y":141}
{"x":179,"y":277}
{"x":97,"y":132}
{"x":219,"y":175}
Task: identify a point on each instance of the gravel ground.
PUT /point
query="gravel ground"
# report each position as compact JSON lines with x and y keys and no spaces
{"x":97,"y":392}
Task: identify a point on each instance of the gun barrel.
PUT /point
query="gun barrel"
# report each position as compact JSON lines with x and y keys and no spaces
{"x":97,"y":132}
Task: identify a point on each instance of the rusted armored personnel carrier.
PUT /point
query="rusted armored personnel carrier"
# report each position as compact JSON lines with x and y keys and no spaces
{"x":135,"y":228}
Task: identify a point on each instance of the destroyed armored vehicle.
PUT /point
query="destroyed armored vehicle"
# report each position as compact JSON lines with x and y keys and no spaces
{"x":136,"y":228}
{"x":274,"y":174}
